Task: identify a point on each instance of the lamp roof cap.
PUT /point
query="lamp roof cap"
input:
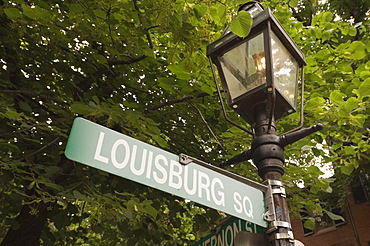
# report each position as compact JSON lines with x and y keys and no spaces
{"x":246,"y":6}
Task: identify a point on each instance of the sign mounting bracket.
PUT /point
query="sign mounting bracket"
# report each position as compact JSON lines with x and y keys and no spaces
{"x":186,"y":159}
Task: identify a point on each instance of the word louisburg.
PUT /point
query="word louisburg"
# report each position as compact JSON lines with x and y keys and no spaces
{"x":170,"y":172}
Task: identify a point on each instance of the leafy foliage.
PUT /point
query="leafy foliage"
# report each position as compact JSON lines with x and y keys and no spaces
{"x":139,"y":67}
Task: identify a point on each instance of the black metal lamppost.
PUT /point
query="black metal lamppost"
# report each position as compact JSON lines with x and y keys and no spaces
{"x":260,"y":78}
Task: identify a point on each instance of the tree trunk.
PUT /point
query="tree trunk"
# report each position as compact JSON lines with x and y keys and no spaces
{"x":32,"y":218}
{"x":31,"y":222}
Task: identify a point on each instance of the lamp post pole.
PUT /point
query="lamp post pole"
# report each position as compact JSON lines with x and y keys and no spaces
{"x":268,"y":156}
{"x":267,"y":153}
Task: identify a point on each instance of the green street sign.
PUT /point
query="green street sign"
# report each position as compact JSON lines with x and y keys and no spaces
{"x":225,"y":234}
{"x":118,"y":154}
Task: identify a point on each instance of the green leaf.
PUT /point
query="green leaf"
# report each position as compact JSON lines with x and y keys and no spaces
{"x":349,"y":150}
{"x":167,"y":84}
{"x":159,"y":140}
{"x":323,"y":54}
{"x":96,"y":99}
{"x":100,"y":13}
{"x":309,"y":223}
{"x":314,"y":189}
{"x":214,"y":14}
{"x":12,"y":13}
{"x":364,"y":88}
{"x":352,"y":31}
{"x":76,"y":8}
{"x":316,"y":152}
{"x":327,"y":16}
{"x":27,"y":11}
{"x":357,"y":46}
{"x":42,"y":13}
{"x":35,"y":12}
{"x":314,"y":170}
{"x":62,"y":220}
{"x":347,"y":169}
{"x":293,"y":3}
{"x":358,"y":55}
{"x":334,"y":216}
{"x":241,"y":25}
{"x":351,"y":104}
{"x":80,"y":108}
{"x":150,"y":210}
{"x":221,"y":11}
{"x":111,"y":21}
{"x":78,"y":195}
{"x":336,"y":97}
{"x":14,"y":114}
{"x":48,"y":183}
{"x":227,"y":135}
{"x":25,"y":106}
{"x":358,"y":119}
{"x":179,"y":71}
{"x":51,"y":170}
{"x":207,"y":89}
{"x":315,"y":103}
{"x":325,"y":186}
{"x":200,"y":10}
{"x":357,"y":50}
{"x":364,"y":74}
{"x":101,"y":59}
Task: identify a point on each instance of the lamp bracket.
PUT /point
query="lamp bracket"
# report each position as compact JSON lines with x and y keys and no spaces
{"x":274,"y":225}
{"x":292,"y":137}
{"x":279,"y":236}
{"x":185,"y":159}
{"x":280,"y":190}
{"x":270,"y":215}
{"x":282,"y":141}
{"x":244,"y":156}
{"x":273,"y":187}
{"x":275,"y":182}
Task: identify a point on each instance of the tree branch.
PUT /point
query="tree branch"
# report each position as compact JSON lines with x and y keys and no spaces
{"x":126,"y":62}
{"x":15,"y":132}
{"x":208,"y":126}
{"x":39,"y":150}
{"x":172,"y":102}
{"x":31,"y":93}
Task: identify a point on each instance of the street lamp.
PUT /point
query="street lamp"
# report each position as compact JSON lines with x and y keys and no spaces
{"x":262,"y":68}
{"x":260,"y":77}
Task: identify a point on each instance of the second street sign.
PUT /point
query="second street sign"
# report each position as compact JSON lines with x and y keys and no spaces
{"x":225,"y":234}
{"x":118,"y":154}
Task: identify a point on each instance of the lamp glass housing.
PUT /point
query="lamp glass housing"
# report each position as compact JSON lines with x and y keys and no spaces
{"x":244,"y":67}
{"x":260,"y":68}
{"x":285,"y":70}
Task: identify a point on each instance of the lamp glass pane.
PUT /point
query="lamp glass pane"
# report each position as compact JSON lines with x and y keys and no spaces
{"x":285,"y":69}
{"x":244,"y":66}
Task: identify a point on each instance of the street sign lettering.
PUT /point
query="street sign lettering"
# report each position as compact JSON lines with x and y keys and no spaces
{"x":227,"y":233}
{"x":163,"y":171}
{"x":118,"y":154}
